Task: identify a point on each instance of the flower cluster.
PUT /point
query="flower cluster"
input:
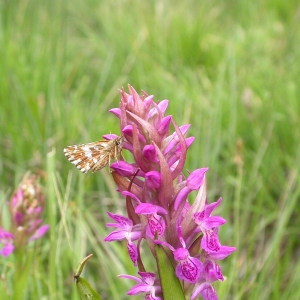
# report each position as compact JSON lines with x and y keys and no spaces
{"x":156,"y":192}
{"x":25,"y":207}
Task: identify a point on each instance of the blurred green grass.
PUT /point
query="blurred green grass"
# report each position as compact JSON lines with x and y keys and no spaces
{"x":230,"y":68}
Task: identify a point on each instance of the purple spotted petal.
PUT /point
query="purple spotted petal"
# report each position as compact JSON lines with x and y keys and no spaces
{"x":210,"y":242}
{"x":189,"y":269}
{"x":132,"y":252}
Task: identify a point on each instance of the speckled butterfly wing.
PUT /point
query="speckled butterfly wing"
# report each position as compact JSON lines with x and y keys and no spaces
{"x":94,"y":156}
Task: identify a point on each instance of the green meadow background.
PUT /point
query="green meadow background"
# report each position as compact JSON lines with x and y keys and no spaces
{"x":229,"y":68}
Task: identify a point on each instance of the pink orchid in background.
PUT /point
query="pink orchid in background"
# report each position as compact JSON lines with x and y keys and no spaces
{"x":25,"y":207}
{"x":6,"y":239}
{"x":156,"y":192}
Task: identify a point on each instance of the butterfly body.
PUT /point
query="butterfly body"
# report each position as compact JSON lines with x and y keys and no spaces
{"x":94,"y":156}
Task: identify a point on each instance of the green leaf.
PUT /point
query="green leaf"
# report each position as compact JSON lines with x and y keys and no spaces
{"x":85,"y":291}
{"x":83,"y":288}
{"x":170,"y":284}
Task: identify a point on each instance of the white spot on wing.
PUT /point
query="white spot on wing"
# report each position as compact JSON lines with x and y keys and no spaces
{"x":88,"y":154}
{"x":77,"y":161}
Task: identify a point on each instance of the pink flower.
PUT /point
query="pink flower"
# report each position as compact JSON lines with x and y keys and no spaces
{"x":156,"y":192}
{"x":204,"y":285}
{"x":156,"y":224}
{"x":207,"y":225}
{"x":147,"y":285}
{"x":25,"y":207}
{"x":6,"y":239}
{"x":188,"y":268}
{"x":126,"y":231}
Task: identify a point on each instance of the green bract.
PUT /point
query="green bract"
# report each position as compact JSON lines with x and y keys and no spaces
{"x":83,"y":288}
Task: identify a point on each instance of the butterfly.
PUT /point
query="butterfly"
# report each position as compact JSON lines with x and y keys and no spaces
{"x":94,"y":156}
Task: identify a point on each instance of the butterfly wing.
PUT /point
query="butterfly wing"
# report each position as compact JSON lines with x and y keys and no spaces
{"x":92,"y":156}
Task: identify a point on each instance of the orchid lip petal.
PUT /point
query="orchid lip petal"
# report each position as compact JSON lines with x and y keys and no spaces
{"x":210,"y":242}
{"x":189,"y":269}
{"x":132,"y":252}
